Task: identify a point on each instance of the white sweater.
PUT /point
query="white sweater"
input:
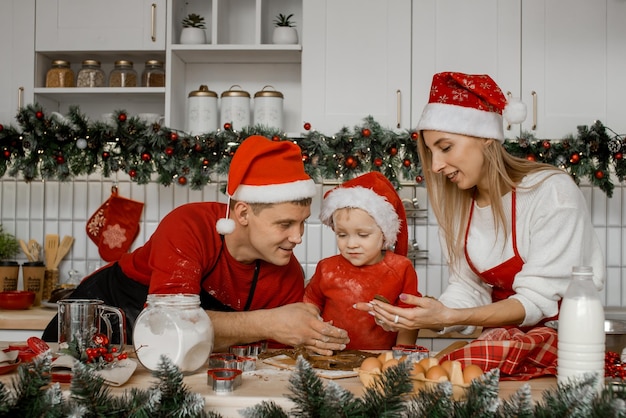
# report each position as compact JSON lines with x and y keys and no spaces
{"x":554,"y":233}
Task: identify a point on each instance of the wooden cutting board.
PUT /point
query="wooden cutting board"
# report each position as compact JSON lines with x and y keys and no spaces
{"x":285,"y":362}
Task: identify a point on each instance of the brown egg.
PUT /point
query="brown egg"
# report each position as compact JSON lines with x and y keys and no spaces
{"x":470,"y":372}
{"x":390,"y":363}
{"x":417,"y":369}
{"x":428,"y":362}
{"x":384,"y":356}
{"x":437,"y":373}
{"x":371,"y":364}
{"x":447,"y":366}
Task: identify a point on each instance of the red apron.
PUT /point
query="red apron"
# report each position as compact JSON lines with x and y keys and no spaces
{"x":519,"y":353}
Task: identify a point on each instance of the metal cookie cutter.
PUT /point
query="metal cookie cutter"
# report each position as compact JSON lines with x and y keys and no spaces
{"x":224,"y":380}
{"x":223,"y":361}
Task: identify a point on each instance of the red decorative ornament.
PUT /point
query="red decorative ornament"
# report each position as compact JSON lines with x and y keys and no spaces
{"x":197,"y":147}
{"x":1,"y":127}
{"x":6,"y":153}
{"x":574,"y":158}
{"x":366,"y":132}
{"x":146,"y":156}
{"x":531,"y":157}
{"x":305,"y":157}
{"x":393,"y":151}
{"x":101,"y":339}
{"x":173,"y":136}
{"x":39,"y":114}
{"x":406,"y":163}
{"x":275,"y":138}
{"x":419,"y":179}
{"x":132,"y":172}
{"x":60,"y":159}
{"x":227,"y":126}
{"x":351,"y":162}
{"x":182,"y":180}
{"x":618,"y":156}
{"x":378,"y":162}
{"x":106,"y":155}
{"x":307,"y":126}
{"x":169,"y":151}
{"x":122,"y":117}
{"x":546,"y":144}
{"x":414,"y":136}
{"x":599,"y":174}
{"x":205,"y":162}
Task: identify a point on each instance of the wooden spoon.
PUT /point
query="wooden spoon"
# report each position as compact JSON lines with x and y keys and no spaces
{"x":26,"y":250}
{"x":64,"y":248}
{"x":50,"y":250}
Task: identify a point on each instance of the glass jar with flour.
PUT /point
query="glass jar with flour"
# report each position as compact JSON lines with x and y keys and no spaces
{"x":173,"y":325}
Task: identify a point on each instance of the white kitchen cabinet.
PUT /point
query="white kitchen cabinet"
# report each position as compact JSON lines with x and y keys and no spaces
{"x":17,"y":19}
{"x":357,"y":62}
{"x":112,"y":25}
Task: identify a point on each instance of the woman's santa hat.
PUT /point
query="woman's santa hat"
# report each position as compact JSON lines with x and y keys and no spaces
{"x":469,"y":104}
{"x":265,"y":171}
{"x":374,"y":194}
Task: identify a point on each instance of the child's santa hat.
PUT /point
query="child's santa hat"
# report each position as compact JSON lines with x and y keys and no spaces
{"x":374,"y":194}
{"x":469,"y":104}
{"x":266,"y":171}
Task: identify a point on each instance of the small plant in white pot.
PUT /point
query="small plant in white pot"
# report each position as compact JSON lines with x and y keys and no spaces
{"x":193,"y":30}
{"x":284,"y":30}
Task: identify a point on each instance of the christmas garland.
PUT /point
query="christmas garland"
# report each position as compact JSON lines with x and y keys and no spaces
{"x":33,"y":395}
{"x":53,"y":146}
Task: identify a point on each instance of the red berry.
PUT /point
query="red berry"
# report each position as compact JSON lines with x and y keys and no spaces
{"x":39,"y":114}
{"x":378,"y":161}
{"x":393,"y":151}
{"x":122,"y":117}
{"x":366,"y":132}
{"x":173,"y":136}
{"x":307,"y":126}
{"x":146,"y":156}
{"x":406,"y":163}
{"x":227,"y":126}
{"x":169,"y":151}
{"x":132,"y":172}
{"x":182,"y":180}
{"x":414,"y":136}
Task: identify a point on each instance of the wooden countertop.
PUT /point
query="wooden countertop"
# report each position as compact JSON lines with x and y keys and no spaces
{"x":35,"y":318}
{"x":269,"y":383}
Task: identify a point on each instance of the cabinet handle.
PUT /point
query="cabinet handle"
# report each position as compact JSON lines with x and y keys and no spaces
{"x":20,"y":97}
{"x":509,"y":95}
{"x":398,"y":108}
{"x":153,"y":27}
{"x":534,"y":94}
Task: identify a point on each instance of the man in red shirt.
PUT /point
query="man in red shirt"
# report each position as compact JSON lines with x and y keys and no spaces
{"x":242,"y":265}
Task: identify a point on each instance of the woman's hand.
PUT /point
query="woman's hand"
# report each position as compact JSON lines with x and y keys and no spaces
{"x":428,"y":313}
{"x":299,"y":324}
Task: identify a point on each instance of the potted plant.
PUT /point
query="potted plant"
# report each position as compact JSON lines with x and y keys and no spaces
{"x":284,"y":30}
{"x":193,"y":30}
{"x":9,"y":270}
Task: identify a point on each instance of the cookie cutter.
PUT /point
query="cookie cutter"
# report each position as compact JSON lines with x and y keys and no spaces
{"x":412,"y":352}
{"x":247,"y":350}
{"x":224,"y":380}
{"x":232,"y":361}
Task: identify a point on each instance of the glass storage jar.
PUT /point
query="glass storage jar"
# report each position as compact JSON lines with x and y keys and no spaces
{"x":268,"y":108}
{"x":90,"y":75}
{"x":123,"y":74}
{"x":235,"y":107}
{"x":153,"y":74}
{"x":173,"y":325}
{"x":201,"y":111}
{"x":60,"y":74}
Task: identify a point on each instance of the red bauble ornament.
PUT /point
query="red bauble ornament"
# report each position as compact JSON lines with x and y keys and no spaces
{"x":1,"y":127}
{"x":378,"y":161}
{"x":546,"y":144}
{"x":419,"y":179}
{"x":307,"y":126}
{"x":182,"y":180}
{"x":574,"y":159}
{"x":146,"y":156}
{"x":351,"y":162}
{"x":618,"y":156}
{"x":406,"y":163}
{"x":6,"y":153}
{"x":39,"y":114}
{"x":132,"y":172}
{"x":414,"y":136}
{"x":106,"y":155}
{"x":531,"y":157}
{"x":173,"y":136}
{"x":122,"y":117}
{"x":197,"y":147}
{"x":393,"y":151}
{"x":366,"y":132}
{"x":60,"y":159}
{"x":599,"y":174}
{"x":227,"y":126}
{"x":205,"y":162}
{"x":275,"y":138}
{"x":169,"y":151}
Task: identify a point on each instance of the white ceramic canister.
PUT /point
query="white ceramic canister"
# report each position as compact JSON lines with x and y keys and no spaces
{"x":235,"y":107}
{"x":201,"y":111}
{"x":173,"y":325}
{"x":268,"y":108}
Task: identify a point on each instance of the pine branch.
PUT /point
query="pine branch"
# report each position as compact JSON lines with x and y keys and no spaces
{"x":264,"y":410}
{"x":387,"y":398}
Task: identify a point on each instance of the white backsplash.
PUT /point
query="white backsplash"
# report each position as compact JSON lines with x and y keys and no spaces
{"x":32,"y":210}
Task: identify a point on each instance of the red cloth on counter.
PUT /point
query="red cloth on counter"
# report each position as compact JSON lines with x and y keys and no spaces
{"x":519,"y":355}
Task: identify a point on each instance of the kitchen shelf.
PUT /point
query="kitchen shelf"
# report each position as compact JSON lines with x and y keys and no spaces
{"x":228,"y":54}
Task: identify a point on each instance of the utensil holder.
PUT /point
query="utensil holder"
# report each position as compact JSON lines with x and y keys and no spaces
{"x":50,"y":282}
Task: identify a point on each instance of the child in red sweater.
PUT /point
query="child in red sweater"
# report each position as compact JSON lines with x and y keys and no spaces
{"x":369,"y":222}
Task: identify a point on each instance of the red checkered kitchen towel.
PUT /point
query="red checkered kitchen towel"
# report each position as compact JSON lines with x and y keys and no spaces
{"x":519,"y":355}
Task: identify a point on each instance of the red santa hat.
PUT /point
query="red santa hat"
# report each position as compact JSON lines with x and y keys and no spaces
{"x":374,"y":194}
{"x":266,"y":171}
{"x":469,"y":104}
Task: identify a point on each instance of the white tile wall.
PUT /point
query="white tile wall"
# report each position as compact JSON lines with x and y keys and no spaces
{"x":32,"y":210}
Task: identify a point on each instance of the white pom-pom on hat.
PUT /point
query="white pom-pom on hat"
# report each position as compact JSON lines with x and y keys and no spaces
{"x":225,"y":226}
{"x":514,"y":111}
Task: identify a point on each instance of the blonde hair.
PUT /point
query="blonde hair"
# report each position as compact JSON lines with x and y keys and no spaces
{"x":451,"y":205}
